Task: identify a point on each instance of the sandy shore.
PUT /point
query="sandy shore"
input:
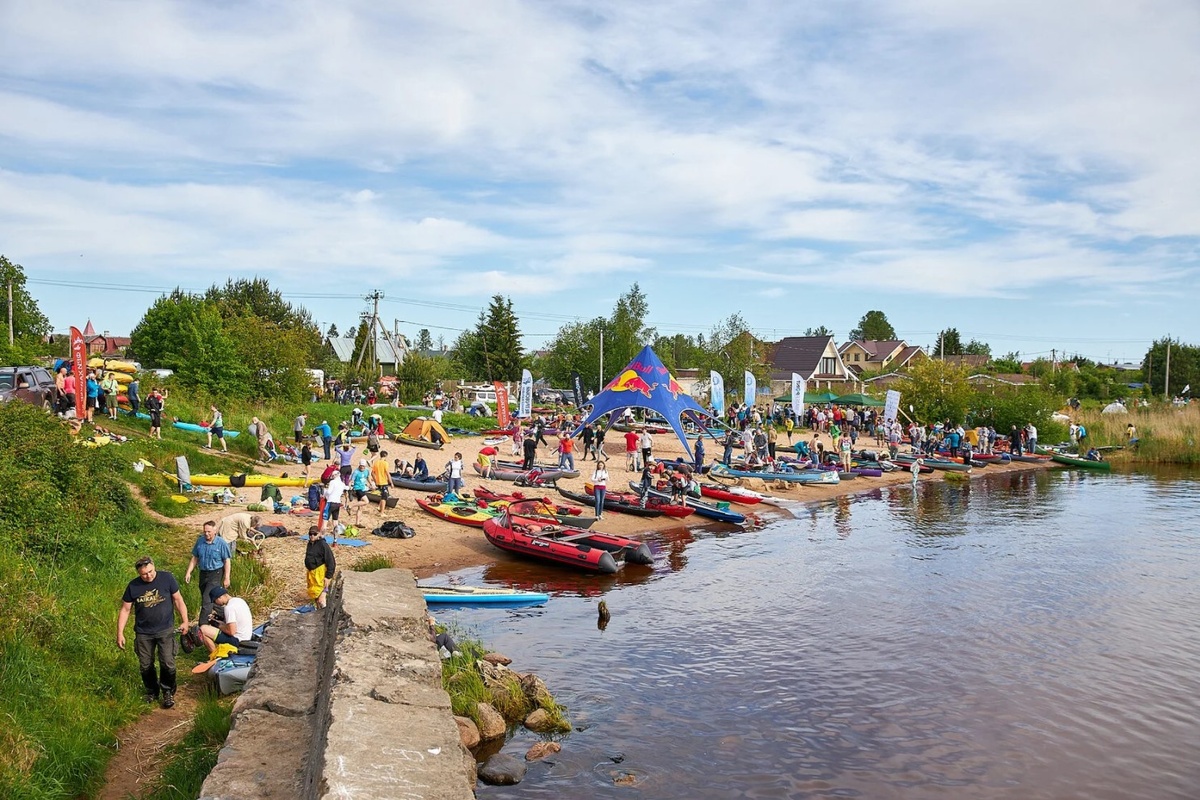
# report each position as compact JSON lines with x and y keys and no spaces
{"x":441,"y":546}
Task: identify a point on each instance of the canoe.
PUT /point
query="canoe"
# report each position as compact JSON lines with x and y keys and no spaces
{"x":1075,"y":461}
{"x":638,"y":427}
{"x":402,"y":439}
{"x":800,"y":476}
{"x":238,"y":481}
{"x":463,"y":513}
{"x":934,"y":463}
{"x":667,"y":507}
{"x":545,"y":468}
{"x":730,"y":494}
{"x":611,"y":504}
{"x":1028,"y":459}
{"x":194,"y":428}
{"x":562,"y":545}
{"x":429,"y":484}
{"x":484,"y":493}
{"x":701,"y":508}
{"x":111,"y":365}
{"x":481,"y":595}
{"x":501,"y":472}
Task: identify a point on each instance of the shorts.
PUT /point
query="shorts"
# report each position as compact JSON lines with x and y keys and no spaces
{"x":91,"y":402}
{"x":358,"y":494}
{"x":155,"y":419}
{"x":373,"y":448}
{"x":218,"y":432}
{"x":334,"y":510}
{"x":225,"y":638}
{"x":299,"y":436}
{"x":316,"y":582}
{"x":346,"y":471}
{"x":384,"y":491}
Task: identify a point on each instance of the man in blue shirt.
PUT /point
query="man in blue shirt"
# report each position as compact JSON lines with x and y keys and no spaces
{"x":154,"y":598}
{"x":211,"y":553}
{"x":326,"y":433}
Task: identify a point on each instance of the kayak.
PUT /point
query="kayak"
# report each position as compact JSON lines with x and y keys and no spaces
{"x":402,"y":439}
{"x":238,"y":481}
{"x":194,"y":428}
{"x":933,"y":463}
{"x":702,"y":508}
{"x":632,"y":498}
{"x":1075,"y":461}
{"x":111,"y":365}
{"x":462,"y":513}
{"x":801,"y":476}
{"x":730,"y":494}
{"x":430,"y":484}
{"x":480,"y":595}
{"x":611,"y":504}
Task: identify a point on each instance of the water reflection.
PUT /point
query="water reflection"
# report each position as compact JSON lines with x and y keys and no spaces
{"x":1009,"y":638}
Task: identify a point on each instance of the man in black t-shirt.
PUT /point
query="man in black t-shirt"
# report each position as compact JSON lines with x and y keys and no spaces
{"x":154,"y":597}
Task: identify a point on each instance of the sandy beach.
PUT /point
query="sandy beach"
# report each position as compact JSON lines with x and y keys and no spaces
{"x":442,"y":546}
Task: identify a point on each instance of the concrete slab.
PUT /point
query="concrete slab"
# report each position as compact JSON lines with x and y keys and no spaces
{"x":264,"y":756}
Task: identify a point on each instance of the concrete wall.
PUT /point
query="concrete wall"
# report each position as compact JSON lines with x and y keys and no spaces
{"x":347,"y":702}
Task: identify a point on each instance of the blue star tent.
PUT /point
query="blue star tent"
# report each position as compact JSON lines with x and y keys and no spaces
{"x":646,"y":383}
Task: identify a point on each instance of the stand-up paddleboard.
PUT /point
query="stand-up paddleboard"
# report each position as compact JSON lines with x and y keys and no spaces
{"x":194,"y":428}
{"x":480,"y":595}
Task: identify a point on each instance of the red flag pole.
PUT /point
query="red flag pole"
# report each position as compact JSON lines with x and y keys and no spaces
{"x":79,"y":367}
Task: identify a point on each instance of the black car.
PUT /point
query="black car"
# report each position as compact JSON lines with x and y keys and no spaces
{"x":34,"y":385}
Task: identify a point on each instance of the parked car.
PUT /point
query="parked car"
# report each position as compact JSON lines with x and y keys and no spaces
{"x":34,"y":385}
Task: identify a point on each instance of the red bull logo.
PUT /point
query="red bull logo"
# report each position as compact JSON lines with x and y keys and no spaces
{"x":674,"y":388}
{"x":630,"y":381}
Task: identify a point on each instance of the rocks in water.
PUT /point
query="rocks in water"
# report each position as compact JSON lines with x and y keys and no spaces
{"x":540,"y":721}
{"x":535,"y":690}
{"x":541,"y":750}
{"x":491,"y":722}
{"x":502,"y":770}
{"x":468,"y":731}
{"x":625,"y":779}
{"x":497,"y":658}
{"x":494,"y":675}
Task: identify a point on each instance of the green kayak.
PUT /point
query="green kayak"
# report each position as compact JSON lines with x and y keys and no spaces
{"x":1075,"y":461}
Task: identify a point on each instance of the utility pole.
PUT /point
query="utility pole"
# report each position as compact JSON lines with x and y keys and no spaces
{"x":1053,"y":360}
{"x":601,"y":361}
{"x":375,"y":329}
{"x":1167,"y":379}
{"x":10,"y":313}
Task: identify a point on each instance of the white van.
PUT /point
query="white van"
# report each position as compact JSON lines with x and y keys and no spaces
{"x":487,"y":395}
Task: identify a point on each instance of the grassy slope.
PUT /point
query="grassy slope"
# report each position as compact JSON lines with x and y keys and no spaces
{"x":70,"y":530}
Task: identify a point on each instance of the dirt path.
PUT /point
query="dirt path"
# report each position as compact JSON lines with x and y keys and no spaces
{"x":139,"y":760}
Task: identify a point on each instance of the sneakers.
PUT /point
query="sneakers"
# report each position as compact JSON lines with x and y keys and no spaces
{"x":168,"y":699}
{"x":150,"y":697}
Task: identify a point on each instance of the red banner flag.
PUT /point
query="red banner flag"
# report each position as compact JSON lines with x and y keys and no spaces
{"x":79,"y":367}
{"x":502,"y":413}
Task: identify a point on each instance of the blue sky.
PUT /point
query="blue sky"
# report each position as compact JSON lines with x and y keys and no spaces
{"x":1024,"y":171}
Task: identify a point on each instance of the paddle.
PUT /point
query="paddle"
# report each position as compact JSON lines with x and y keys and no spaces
{"x":205,"y":667}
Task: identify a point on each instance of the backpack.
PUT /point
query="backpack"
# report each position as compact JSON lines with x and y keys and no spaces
{"x":394,"y":529}
{"x":329,"y":472}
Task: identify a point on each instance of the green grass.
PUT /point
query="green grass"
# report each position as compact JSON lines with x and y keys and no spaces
{"x":70,"y":531}
{"x":189,"y":761}
{"x":372,"y":563}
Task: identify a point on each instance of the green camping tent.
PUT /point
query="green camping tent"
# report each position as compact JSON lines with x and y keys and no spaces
{"x":859,"y":399}
{"x":810,"y":397}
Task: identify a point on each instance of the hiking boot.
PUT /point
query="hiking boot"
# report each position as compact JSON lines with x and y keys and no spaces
{"x":150,"y":697}
{"x":168,"y":699}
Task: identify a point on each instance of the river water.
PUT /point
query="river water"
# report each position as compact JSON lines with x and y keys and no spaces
{"x":1030,"y":635}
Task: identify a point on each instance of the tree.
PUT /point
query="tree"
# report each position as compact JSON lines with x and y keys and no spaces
{"x":576,"y":348}
{"x":977,"y":348}
{"x":415,"y":376}
{"x":332,"y":332}
{"x":627,"y":332}
{"x":424,"y":341}
{"x":29,"y":323}
{"x":873,"y":327}
{"x":820,"y":330}
{"x":678,"y":351}
{"x":254,"y":297}
{"x":184,"y":333}
{"x":492,"y":349}
{"x":936,"y":391}
{"x":732,"y":350}
{"x":948,"y":343}
{"x":1185,"y":367}
{"x":1010,"y":363}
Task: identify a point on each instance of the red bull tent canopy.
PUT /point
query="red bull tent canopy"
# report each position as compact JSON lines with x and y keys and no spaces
{"x":646,"y":383}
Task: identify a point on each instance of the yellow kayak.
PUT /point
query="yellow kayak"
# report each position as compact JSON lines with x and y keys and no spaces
{"x":112,"y":364}
{"x":248,"y":480}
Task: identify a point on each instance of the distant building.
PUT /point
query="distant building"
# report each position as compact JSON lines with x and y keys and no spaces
{"x":389,"y":357}
{"x":872,"y":356}
{"x":966,"y":360}
{"x":101,"y":344}
{"x":814,"y":358}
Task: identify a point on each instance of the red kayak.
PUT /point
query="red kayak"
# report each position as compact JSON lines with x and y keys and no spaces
{"x":499,"y":431}
{"x":721,"y":493}
{"x":558,"y":544}
{"x":656,"y":503}
{"x":484,"y":493}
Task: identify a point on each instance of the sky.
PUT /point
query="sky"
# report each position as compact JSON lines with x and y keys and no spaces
{"x":1026,"y":172}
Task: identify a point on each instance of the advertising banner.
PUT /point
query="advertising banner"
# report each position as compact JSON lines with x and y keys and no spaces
{"x":718,"y":392}
{"x":79,"y":367}
{"x":503,"y":414}
{"x":751,"y":396}
{"x":891,"y":405}
{"x":798,"y":387}
{"x":525,"y":398}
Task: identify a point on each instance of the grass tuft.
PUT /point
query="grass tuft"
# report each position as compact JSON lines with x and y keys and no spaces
{"x":372,"y":563}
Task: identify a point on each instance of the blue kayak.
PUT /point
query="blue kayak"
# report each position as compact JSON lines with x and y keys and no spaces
{"x":800,"y":476}
{"x":194,"y":428}
{"x":703,"y":509}
{"x":481,"y":595}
